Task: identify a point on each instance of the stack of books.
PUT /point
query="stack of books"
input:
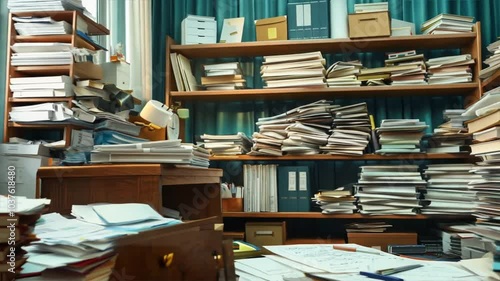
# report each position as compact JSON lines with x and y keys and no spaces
{"x":447,"y":189}
{"x":367,"y":227}
{"x":450,"y":69}
{"x":343,"y":74}
{"x":223,"y":76}
{"x":400,"y":135}
{"x":226,"y":144}
{"x":447,"y":24}
{"x":17,"y":231}
{"x":411,"y":76}
{"x":301,"y":130}
{"x":493,"y":61}
{"x":337,"y":201}
{"x":294,"y":70}
{"x":351,"y":130}
{"x":390,"y":189}
{"x":371,"y":7}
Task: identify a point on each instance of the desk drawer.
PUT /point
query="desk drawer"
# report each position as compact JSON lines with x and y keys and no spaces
{"x":191,"y":247}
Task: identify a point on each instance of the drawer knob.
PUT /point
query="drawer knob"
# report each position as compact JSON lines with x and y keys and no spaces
{"x":167,"y":259}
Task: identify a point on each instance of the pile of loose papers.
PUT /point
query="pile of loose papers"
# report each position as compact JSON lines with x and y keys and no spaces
{"x":400,"y":135}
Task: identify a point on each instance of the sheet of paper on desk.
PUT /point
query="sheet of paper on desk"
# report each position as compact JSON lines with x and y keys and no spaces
{"x":438,"y":271}
{"x":324,"y":257}
{"x":266,"y":269}
{"x":293,"y":264}
{"x":126,"y":213}
{"x":482,"y":266}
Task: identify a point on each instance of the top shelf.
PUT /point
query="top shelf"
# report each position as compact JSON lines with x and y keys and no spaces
{"x":260,"y":48}
{"x":94,"y":28}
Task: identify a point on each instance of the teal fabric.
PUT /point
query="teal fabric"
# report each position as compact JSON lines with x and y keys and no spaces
{"x":3,"y":59}
{"x":228,"y":118}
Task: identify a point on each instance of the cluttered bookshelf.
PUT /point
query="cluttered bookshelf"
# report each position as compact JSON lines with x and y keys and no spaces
{"x":467,"y":43}
{"x":42,"y":71}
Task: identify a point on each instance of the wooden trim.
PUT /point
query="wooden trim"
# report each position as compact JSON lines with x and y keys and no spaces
{"x":100,"y":170}
{"x":405,"y":157}
{"x":318,"y":215}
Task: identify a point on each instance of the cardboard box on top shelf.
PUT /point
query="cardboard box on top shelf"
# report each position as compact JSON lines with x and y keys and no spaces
{"x":364,"y":25}
{"x":271,"y":29}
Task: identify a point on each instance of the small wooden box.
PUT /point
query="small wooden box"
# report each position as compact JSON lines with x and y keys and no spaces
{"x":363,"y":25}
{"x":232,"y":204}
{"x":381,"y":240}
{"x":265,"y":233}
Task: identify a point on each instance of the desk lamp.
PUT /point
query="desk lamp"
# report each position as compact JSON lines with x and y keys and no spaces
{"x":161,"y":116}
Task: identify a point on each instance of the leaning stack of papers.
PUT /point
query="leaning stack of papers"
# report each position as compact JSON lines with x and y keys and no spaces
{"x":451,"y":136}
{"x":226,"y":144}
{"x":343,"y":74}
{"x":447,"y":24}
{"x":167,"y":151}
{"x":493,"y":61}
{"x":450,"y":69}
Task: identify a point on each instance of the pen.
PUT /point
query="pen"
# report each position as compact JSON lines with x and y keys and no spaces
{"x":379,"y":276}
{"x":394,"y":270}
{"x":355,"y":249}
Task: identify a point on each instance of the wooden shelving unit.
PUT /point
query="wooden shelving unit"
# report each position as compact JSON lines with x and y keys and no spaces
{"x":466,"y":42}
{"x":74,"y":70}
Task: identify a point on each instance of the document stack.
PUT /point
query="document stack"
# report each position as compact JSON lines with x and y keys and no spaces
{"x":46,"y":5}
{"x":41,"y":86}
{"x":447,"y":189}
{"x":447,"y":24}
{"x":400,"y":135}
{"x":412,"y":76}
{"x":49,"y":111}
{"x":261,"y":188}
{"x":450,"y":69}
{"x":41,"y":54}
{"x":337,"y":201}
{"x":301,"y":130}
{"x":451,"y":136}
{"x":41,"y":26}
{"x":343,"y":74}
{"x":367,"y":227}
{"x":390,"y":189}
{"x":351,"y":130}
{"x":223,"y":76}
{"x":294,"y":70}
{"x":493,"y":61}
{"x":167,"y":151}
{"x":371,"y":7}
{"x":17,"y":231}
{"x":84,"y":248}
{"x":226,"y":144}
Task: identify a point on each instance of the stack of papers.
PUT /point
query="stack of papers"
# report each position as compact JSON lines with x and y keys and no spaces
{"x":226,"y":144}
{"x":41,"y":86}
{"x":493,"y":61}
{"x":390,"y":189}
{"x":223,"y":76}
{"x":450,"y":69}
{"x":400,"y":135}
{"x":342,"y":74}
{"x":413,"y":76}
{"x":46,"y":5}
{"x":31,"y":26}
{"x":451,"y":136}
{"x":167,"y":151}
{"x":338,"y":201}
{"x":40,"y":112}
{"x":448,"y":24}
{"x":371,"y":7}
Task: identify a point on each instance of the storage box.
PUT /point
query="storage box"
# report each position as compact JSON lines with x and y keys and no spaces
{"x":271,"y":29}
{"x":265,"y":233}
{"x":117,"y":73}
{"x":232,"y":204}
{"x":381,"y":240}
{"x":377,"y":24}
{"x":26,"y":168}
{"x":198,"y":30}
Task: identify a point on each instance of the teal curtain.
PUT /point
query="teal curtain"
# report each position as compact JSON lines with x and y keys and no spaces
{"x":231,"y":117}
{"x":3,"y":59}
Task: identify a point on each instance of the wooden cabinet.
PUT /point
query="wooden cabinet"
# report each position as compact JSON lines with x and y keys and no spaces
{"x":470,"y":92}
{"x":83,"y":70}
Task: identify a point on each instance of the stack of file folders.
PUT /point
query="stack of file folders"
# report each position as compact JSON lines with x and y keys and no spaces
{"x":223,"y":76}
{"x":226,"y":144}
{"x":342,"y":74}
{"x":416,"y":72}
{"x":390,"y":189}
{"x":337,"y":201}
{"x":167,"y":151}
{"x":450,"y":69}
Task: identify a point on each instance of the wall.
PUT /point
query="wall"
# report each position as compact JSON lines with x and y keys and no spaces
{"x":3,"y":59}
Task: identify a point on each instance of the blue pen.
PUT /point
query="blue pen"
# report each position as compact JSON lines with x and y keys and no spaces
{"x":379,"y":276}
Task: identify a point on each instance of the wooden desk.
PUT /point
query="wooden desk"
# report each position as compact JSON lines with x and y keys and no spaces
{"x":195,"y":192}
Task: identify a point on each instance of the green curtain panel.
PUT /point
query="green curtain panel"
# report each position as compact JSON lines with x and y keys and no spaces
{"x":231,"y":117}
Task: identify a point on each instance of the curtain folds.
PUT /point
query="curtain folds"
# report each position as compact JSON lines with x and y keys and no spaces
{"x":3,"y":59}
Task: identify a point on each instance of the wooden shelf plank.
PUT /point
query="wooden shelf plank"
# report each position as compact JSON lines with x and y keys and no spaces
{"x":318,"y":215}
{"x":492,"y":81}
{"x":48,"y":125}
{"x":44,"y":70}
{"x":260,"y":48}
{"x":47,"y":99}
{"x":376,"y":157}
{"x":352,"y":92}
{"x":61,"y":38}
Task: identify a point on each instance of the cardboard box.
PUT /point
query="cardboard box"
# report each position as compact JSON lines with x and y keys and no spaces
{"x":377,"y":24}
{"x":381,"y":240}
{"x":265,"y":233}
{"x":271,"y":29}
